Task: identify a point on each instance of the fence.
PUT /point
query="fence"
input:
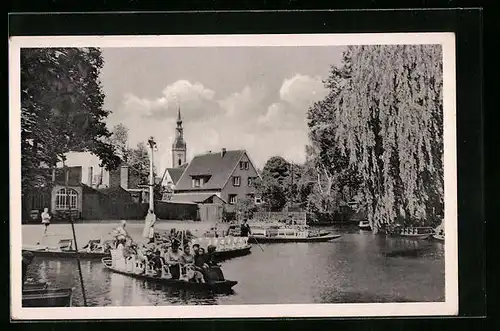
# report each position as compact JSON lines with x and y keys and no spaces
{"x":176,"y":211}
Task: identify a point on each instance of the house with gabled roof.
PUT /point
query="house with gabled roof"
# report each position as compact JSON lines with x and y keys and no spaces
{"x":226,"y":177}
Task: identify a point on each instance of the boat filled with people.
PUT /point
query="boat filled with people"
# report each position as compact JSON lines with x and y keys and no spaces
{"x":189,"y":267}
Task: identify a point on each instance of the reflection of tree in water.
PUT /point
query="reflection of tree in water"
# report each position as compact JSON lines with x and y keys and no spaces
{"x":406,"y":247}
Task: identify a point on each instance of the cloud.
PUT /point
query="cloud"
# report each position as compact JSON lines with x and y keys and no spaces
{"x":297,"y":94}
{"x":264,"y":121}
{"x":194,"y":99}
{"x":302,"y":90}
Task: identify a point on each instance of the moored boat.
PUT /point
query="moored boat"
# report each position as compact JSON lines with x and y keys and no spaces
{"x":364,"y":225}
{"x":93,"y":250}
{"x":416,"y":233}
{"x":219,"y":286}
{"x":439,"y":235}
{"x":47,"y":297}
{"x":280,"y":234}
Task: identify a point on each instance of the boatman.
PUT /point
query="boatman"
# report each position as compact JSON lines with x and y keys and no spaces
{"x":245,"y":229}
{"x":149,"y":232}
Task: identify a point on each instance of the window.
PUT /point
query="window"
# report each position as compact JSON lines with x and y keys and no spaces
{"x":196,"y":182}
{"x":233,"y":199}
{"x":236,"y":181}
{"x":244,"y":165}
{"x":258,"y":200}
{"x":66,"y":199}
{"x":251,"y":181}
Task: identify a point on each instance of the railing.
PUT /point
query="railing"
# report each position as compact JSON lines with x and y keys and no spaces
{"x":274,"y":217}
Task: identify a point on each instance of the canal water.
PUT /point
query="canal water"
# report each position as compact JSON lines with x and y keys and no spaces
{"x":358,"y":267}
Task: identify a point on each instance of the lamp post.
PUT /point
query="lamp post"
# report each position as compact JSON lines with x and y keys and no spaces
{"x":152,"y":146}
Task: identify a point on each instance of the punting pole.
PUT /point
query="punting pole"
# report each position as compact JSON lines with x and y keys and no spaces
{"x":74,"y":234}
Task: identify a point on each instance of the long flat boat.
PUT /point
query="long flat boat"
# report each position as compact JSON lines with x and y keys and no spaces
{"x":65,"y":249}
{"x":415,"y":233}
{"x":58,"y":253}
{"x":47,"y":297}
{"x":232,"y":253}
{"x":290,"y":234}
{"x":224,"y":286}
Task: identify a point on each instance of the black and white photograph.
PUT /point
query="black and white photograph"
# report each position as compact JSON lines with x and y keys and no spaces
{"x":233,"y":176}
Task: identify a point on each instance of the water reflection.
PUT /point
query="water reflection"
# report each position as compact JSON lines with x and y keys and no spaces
{"x":357,"y":267}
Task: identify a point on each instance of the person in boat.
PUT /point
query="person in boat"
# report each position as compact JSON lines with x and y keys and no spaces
{"x":187,"y":261}
{"x":157,"y":262}
{"x":198,"y":271}
{"x":27,"y":258}
{"x":149,"y":232}
{"x":173,"y":259}
{"x":121,"y":233}
{"x":245,"y":229}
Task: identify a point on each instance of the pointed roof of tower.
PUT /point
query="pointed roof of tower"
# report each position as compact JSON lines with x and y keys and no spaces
{"x":179,"y":119}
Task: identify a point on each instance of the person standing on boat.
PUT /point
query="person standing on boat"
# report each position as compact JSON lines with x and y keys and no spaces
{"x":149,"y":233}
{"x":245,"y":229}
{"x":121,"y":233}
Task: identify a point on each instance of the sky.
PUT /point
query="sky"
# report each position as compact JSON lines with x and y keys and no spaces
{"x":252,"y":98}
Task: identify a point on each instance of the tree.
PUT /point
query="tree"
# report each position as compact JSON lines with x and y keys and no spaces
{"x":61,"y":110}
{"x":385,"y":116}
{"x":272,"y":187}
{"x":119,"y":139}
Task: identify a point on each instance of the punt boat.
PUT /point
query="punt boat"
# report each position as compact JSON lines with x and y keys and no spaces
{"x":219,"y":286}
{"x":39,"y":295}
{"x":280,"y":234}
{"x":364,"y":225}
{"x":65,"y":250}
{"x":416,"y":233}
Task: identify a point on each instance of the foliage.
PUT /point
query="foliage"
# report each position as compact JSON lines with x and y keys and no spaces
{"x":137,"y":159}
{"x":61,"y":110}
{"x":384,"y":117}
{"x":245,"y":207}
{"x":119,"y":139}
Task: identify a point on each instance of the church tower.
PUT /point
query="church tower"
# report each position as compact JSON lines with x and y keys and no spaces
{"x":179,"y":148}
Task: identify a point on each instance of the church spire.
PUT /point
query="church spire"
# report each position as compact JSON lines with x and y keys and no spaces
{"x":179,"y":119}
{"x":179,"y":147}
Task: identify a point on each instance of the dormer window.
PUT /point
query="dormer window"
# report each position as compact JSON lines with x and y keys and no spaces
{"x":196,"y":182}
{"x":236,"y":181}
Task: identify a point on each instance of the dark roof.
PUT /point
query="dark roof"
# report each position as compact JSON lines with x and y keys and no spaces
{"x":176,"y":173}
{"x":218,"y":167}
{"x":195,"y":197}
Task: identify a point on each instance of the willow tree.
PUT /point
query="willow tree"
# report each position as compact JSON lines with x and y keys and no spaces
{"x":388,"y":119}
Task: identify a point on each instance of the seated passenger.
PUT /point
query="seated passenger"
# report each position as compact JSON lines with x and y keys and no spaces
{"x":157,"y":263}
{"x":173,"y":257}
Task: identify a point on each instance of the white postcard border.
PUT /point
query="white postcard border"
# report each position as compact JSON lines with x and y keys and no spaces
{"x":447,"y":308}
